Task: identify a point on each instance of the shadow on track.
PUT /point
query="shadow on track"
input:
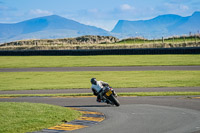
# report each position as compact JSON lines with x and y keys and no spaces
{"x":79,"y":106}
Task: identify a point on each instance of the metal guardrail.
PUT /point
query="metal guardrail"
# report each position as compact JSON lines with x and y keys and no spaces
{"x":141,"y":51}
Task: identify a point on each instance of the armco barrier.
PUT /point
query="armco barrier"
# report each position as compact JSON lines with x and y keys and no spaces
{"x":152,"y":51}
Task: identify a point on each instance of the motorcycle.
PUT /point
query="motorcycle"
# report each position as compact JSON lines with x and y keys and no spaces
{"x":110,"y":96}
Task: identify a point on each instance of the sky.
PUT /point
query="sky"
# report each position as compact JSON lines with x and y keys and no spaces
{"x":100,"y":13}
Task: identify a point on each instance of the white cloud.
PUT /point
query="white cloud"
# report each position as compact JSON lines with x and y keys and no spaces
{"x":171,"y":8}
{"x":125,"y":7}
{"x":39,"y":12}
{"x":93,"y":10}
{"x":176,"y":7}
{"x":184,"y":7}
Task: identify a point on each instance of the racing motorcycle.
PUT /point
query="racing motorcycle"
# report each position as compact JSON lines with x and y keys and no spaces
{"x":110,"y":96}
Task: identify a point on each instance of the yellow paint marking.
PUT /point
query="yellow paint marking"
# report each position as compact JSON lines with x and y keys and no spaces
{"x":67,"y":127}
{"x":71,"y":127}
{"x":99,"y":119}
{"x":74,"y":108}
{"x":197,"y":97}
{"x":189,"y":97}
{"x":87,"y":112}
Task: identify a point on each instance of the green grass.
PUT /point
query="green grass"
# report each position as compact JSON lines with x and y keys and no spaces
{"x":117,"y":79}
{"x":107,"y":60}
{"x":29,"y":117}
{"x":172,"y":93}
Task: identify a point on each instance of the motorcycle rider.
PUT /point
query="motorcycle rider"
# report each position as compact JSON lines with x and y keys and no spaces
{"x":97,"y":88}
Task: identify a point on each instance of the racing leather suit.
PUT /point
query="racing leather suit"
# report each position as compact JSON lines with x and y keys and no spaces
{"x":98,"y":89}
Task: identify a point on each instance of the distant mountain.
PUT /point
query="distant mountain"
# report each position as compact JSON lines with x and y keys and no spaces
{"x":163,"y":25}
{"x":48,"y":27}
{"x":52,"y":27}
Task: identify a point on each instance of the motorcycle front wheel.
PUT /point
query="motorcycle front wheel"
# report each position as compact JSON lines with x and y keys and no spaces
{"x":114,"y":100}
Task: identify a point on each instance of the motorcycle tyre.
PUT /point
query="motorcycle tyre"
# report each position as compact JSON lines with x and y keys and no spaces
{"x":114,"y":100}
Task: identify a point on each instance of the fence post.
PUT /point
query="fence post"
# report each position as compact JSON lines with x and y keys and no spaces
{"x":195,"y":39}
{"x":162,"y":39}
{"x":184,"y":39}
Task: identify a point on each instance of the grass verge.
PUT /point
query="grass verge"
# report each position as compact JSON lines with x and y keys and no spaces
{"x":106,"y":60}
{"x":117,"y":79}
{"x":29,"y":117}
{"x":171,"y":93}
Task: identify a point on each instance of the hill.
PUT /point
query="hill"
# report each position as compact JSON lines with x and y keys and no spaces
{"x":54,"y":27}
{"x":163,"y":25}
{"x":48,"y":27}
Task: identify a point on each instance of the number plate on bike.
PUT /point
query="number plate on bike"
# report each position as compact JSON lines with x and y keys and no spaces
{"x":108,"y":93}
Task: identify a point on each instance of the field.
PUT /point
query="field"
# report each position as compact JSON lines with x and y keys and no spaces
{"x":110,"y":60}
{"x":118,"y":79}
{"x":29,"y":117}
{"x":34,"y":117}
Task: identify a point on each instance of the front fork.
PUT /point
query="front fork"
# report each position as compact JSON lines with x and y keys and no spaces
{"x":115,"y":94}
{"x":106,"y":98}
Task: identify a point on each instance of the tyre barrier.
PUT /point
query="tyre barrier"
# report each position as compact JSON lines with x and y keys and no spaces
{"x":141,"y":51}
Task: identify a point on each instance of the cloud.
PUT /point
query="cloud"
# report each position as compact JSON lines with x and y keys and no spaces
{"x":173,"y":8}
{"x":39,"y":12}
{"x":6,"y":8}
{"x":93,"y":10}
{"x":178,"y":1}
{"x":183,"y":7}
{"x":125,"y":7}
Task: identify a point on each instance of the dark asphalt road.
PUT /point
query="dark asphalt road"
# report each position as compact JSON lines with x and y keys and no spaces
{"x":172,"y":101}
{"x":170,"y":114}
{"x":123,"y":68}
{"x":144,"y":118}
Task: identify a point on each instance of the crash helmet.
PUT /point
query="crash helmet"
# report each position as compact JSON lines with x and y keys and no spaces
{"x":93,"y":81}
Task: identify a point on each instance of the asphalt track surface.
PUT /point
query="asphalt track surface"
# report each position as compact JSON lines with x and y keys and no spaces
{"x":152,"y":114}
{"x":171,"y":114}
